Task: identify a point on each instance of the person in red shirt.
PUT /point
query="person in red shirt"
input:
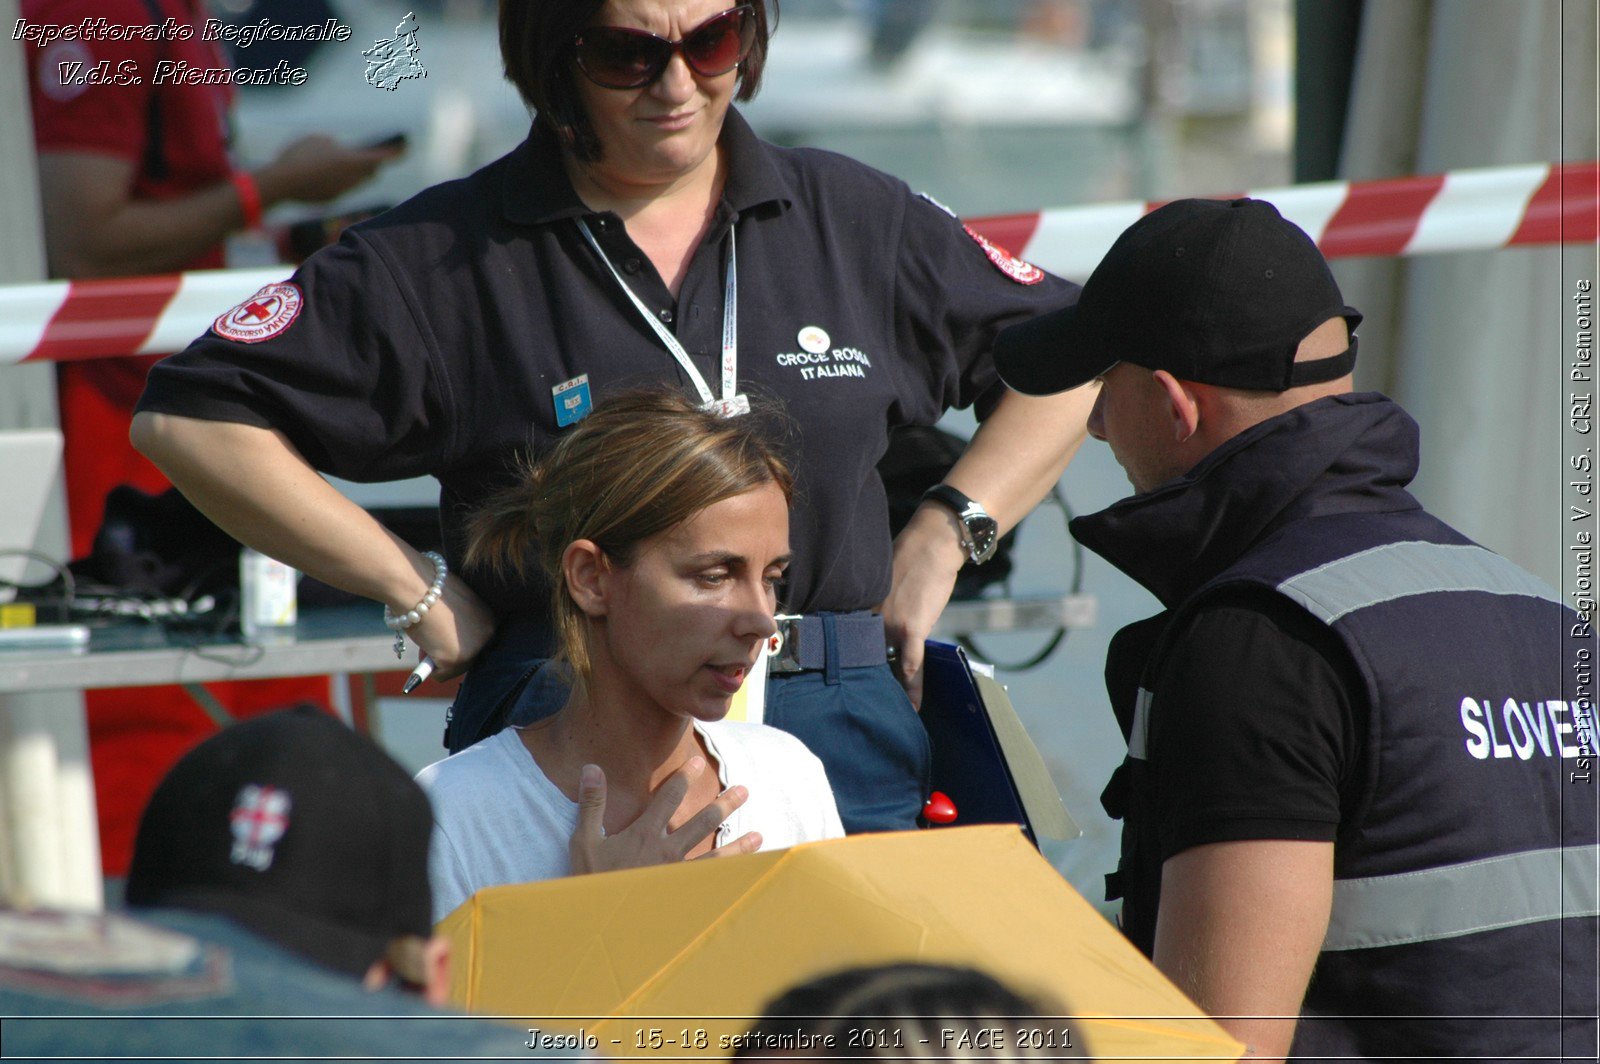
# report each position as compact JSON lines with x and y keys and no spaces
{"x":135,"y":178}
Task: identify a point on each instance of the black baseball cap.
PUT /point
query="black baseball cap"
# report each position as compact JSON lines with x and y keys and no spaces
{"x":296,"y":827}
{"x":1216,"y":291}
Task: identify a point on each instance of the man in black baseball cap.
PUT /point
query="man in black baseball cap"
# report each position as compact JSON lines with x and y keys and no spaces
{"x":305,"y":833}
{"x":1336,"y":679}
{"x":1224,"y":294}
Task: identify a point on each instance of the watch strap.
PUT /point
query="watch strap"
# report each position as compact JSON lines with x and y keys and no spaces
{"x":967,"y":511}
{"x":954,"y":500}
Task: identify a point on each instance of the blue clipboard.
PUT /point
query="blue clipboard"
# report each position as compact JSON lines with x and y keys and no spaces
{"x":968,"y":765}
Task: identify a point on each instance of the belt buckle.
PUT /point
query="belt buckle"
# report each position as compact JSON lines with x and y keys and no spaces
{"x":787,"y":658}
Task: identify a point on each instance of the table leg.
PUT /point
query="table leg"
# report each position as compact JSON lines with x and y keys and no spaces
{"x":48,"y":825}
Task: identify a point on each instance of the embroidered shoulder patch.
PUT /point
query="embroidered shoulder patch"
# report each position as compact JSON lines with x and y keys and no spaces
{"x":63,"y":70}
{"x":262,"y":316}
{"x":1019,"y":270}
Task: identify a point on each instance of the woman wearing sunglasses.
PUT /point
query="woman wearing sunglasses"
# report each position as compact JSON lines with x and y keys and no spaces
{"x":664,"y":585}
{"x":641,"y":233}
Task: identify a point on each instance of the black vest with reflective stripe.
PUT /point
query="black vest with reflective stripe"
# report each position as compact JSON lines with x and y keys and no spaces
{"x":1465,"y":879}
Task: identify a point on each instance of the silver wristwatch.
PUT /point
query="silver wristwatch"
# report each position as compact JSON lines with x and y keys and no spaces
{"x":980,"y":533}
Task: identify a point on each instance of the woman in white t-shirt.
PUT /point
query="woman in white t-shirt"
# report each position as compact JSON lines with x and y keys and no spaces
{"x":664,"y":530}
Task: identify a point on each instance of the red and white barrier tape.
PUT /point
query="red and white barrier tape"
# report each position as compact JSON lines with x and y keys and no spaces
{"x":1464,"y":210}
{"x":1460,"y":211}
{"x":62,"y":320}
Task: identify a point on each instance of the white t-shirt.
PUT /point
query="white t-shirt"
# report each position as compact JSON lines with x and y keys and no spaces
{"x":497,"y":818}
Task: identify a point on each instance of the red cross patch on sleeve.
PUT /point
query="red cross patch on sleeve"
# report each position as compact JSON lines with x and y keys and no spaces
{"x":262,"y":316}
{"x":1019,"y":270}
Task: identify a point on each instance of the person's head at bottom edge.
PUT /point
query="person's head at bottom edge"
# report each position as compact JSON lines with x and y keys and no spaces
{"x":911,"y":1010}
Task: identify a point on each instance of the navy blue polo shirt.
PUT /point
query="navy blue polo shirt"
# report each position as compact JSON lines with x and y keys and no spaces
{"x":430,"y":340}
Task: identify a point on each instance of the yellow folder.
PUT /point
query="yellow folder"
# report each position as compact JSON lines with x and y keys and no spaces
{"x":698,"y":949}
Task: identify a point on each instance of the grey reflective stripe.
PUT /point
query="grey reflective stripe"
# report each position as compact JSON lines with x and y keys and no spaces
{"x":1453,"y":900}
{"x":1139,"y":733}
{"x":1398,"y":570}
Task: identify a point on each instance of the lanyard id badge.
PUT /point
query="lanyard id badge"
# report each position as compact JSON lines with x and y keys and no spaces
{"x":573,"y":400}
{"x":732,"y":403}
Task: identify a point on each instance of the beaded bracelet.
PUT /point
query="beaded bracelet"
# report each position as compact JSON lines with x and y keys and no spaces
{"x":413,"y":617}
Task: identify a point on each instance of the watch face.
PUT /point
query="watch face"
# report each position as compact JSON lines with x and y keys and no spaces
{"x":985,"y":537}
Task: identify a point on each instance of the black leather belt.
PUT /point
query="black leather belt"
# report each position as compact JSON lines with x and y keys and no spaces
{"x":856,"y":640}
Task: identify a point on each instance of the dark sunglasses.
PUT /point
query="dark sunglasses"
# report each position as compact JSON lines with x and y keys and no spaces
{"x":614,"y":57}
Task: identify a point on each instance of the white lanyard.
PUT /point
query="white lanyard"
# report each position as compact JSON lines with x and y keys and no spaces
{"x":731,"y":402}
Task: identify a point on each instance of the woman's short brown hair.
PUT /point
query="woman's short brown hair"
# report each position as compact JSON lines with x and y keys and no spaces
{"x":642,"y":463}
{"x":536,"y":46}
